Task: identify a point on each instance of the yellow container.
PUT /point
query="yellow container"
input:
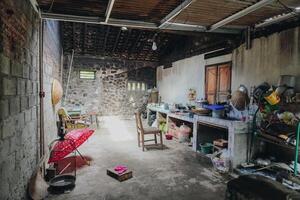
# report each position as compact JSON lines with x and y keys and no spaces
{"x":272,"y":98}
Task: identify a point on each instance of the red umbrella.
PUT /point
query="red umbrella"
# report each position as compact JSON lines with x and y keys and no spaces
{"x":72,"y":141}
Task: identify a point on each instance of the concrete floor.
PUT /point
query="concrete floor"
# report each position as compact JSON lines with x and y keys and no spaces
{"x":175,"y":173}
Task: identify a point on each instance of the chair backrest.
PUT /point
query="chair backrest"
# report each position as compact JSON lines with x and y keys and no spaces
{"x":63,"y":113}
{"x":139,"y":124}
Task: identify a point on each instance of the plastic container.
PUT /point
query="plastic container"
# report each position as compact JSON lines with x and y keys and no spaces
{"x":169,"y":137}
{"x":214,"y":107}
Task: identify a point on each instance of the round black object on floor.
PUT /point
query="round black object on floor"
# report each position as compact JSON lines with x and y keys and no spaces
{"x":61,"y":184}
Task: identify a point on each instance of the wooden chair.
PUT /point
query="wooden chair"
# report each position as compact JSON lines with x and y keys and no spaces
{"x":72,"y":123}
{"x":141,"y":132}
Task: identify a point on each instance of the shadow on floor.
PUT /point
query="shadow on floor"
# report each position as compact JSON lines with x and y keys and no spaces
{"x":67,"y":165}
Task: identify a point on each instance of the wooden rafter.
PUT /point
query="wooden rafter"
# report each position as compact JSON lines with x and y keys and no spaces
{"x":126,"y":41}
{"x":135,"y":43}
{"x":117,"y":40}
{"x":84,"y":38}
{"x":74,"y":34}
{"x":105,"y":38}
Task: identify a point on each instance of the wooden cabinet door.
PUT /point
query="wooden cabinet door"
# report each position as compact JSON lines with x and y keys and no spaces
{"x":224,"y":82}
{"x":211,"y":83}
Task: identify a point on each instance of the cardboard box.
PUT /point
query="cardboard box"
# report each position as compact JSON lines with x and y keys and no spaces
{"x":120,"y":177}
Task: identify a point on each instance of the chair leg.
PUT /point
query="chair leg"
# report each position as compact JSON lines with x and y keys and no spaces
{"x":155,"y":138}
{"x":139,"y":141}
{"x":161,"y":140}
{"x":143,"y":142}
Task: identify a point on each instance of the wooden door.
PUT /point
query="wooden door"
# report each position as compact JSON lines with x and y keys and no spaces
{"x":217,"y":82}
{"x":211,"y":83}
{"x":224,"y":79}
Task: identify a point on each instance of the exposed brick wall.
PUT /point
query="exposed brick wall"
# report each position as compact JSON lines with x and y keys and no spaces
{"x":18,"y":97}
{"x":108,"y":93}
{"x":19,"y":101}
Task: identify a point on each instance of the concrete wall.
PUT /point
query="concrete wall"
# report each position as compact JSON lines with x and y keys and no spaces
{"x":268,"y":58}
{"x":173,"y":83}
{"x":19,"y":99}
{"x":107,"y":94}
{"x":52,"y":70}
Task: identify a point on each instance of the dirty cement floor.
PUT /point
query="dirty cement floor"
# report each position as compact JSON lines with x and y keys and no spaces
{"x":175,"y":173}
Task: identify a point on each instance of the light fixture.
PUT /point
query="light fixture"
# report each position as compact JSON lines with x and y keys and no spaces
{"x":124,"y":28}
{"x":297,"y":8}
{"x":154,"y":46}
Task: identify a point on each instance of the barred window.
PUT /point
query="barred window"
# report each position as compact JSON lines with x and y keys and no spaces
{"x":90,"y":75}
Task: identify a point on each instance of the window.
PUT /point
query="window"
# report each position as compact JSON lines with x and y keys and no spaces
{"x":217,"y":82}
{"x":136,"y":86}
{"x":133,"y":87}
{"x":143,"y":87}
{"x":90,"y":75}
{"x":129,"y":86}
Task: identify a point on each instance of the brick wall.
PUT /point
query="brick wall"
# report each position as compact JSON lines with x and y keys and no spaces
{"x":18,"y":97}
{"x":19,"y":101}
{"x":108,"y":93}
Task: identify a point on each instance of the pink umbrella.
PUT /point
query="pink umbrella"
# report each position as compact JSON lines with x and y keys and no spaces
{"x":71,"y":142}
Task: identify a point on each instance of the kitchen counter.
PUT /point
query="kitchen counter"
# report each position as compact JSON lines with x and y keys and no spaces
{"x":237,"y":132}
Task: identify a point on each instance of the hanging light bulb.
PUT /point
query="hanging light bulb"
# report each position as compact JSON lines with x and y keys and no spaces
{"x":154,"y":46}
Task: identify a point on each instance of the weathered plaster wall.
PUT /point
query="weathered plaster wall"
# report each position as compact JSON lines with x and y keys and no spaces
{"x":268,"y":58}
{"x":107,"y":94}
{"x":173,"y":83}
{"x":19,"y":99}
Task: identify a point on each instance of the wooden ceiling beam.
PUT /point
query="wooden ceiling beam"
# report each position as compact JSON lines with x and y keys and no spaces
{"x":240,"y":14}
{"x":109,"y":9}
{"x":175,"y":12}
{"x":178,"y":28}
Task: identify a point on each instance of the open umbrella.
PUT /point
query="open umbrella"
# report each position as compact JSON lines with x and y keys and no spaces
{"x":70,"y":143}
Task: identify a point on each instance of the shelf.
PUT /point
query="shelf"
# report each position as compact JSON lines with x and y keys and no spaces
{"x":274,"y":140}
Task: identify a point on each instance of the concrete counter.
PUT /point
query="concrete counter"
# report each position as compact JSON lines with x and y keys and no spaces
{"x":237,"y":132}
{"x":237,"y":136}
